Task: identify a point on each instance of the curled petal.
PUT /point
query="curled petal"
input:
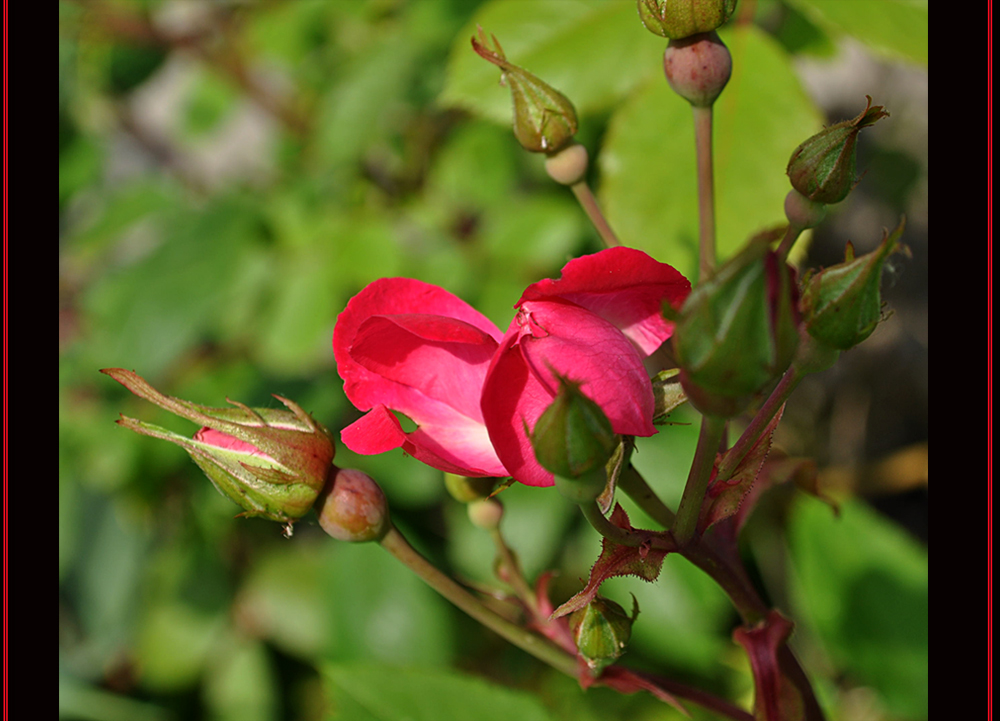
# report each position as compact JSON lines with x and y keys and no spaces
{"x":410,"y":347}
{"x":625,"y":287}
{"x":548,"y":338}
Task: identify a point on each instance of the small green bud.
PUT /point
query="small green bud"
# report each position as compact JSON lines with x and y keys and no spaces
{"x":842,"y":304}
{"x":485,"y":513}
{"x":676,"y":19}
{"x":573,"y":439}
{"x":465,"y":489}
{"x":823,"y":168}
{"x":698,"y":67}
{"x":271,"y":462}
{"x":602,"y":630}
{"x":352,"y":507}
{"x":544,"y":119}
{"x":738,"y":330}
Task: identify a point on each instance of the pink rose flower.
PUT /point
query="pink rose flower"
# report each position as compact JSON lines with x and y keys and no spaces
{"x":408,"y":346}
{"x":595,"y":326}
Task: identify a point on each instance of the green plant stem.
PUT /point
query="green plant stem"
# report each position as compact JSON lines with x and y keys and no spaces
{"x":516,"y":578}
{"x":792,"y":234}
{"x":686,"y":522}
{"x":609,"y":530}
{"x":539,"y":647}
{"x":758,"y":425}
{"x":706,"y":191}
{"x":635,"y":486}
{"x":589,"y":203}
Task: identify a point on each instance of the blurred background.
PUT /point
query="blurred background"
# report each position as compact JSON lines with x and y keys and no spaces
{"x":232,"y":172}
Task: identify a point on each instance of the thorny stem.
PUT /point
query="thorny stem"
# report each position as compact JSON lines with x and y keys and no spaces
{"x":706,"y":191}
{"x":583,"y":194}
{"x":686,"y":522}
{"x":539,"y":647}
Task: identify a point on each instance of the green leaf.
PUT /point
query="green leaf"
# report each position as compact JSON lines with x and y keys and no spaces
{"x":649,"y":189}
{"x":282,"y":596}
{"x":566,"y":43}
{"x":861,"y":583}
{"x":241,"y":684}
{"x":894,"y":28}
{"x":388,"y":693}
{"x":150,"y":312}
{"x":173,"y":645}
{"x":380,"y":611}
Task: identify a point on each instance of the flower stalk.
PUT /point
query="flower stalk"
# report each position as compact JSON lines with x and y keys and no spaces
{"x":686,"y":521}
{"x":706,"y":191}
{"x":589,"y":204}
{"x":541,"y":648}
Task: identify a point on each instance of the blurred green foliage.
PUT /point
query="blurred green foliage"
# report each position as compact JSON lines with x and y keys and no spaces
{"x":231,"y":173}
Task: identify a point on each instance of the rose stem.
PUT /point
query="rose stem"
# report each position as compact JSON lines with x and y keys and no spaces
{"x":583,"y":193}
{"x":686,"y":521}
{"x":706,"y":191}
{"x":539,"y":647}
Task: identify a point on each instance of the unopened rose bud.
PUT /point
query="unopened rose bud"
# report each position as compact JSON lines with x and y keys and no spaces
{"x":544,"y":119}
{"x":271,"y":462}
{"x":352,"y":507}
{"x":573,"y":439}
{"x":801,"y":212}
{"x":842,"y":304}
{"x":738,"y":330}
{"x":602,"y":630}
{"x":678,"y":19}
{"x":485,"y":513}
{"x":567,"y":166}
{"x":698,"y":67}
{"x":823,"y":168}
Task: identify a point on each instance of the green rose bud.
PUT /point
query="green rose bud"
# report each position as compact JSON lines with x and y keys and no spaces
{"x":842,"y":304}
{"x":573,"y":439}
{"x":676,"y":19}
{"x":601,"y":630}
{"x":544,"y":118}
{"x":485,"y":513}
{"x":823,"y":168}
{"x":271,"y":462}
{"x":738,"y":330}
{"x":352,"y":507}
{"x":465,"y":489}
